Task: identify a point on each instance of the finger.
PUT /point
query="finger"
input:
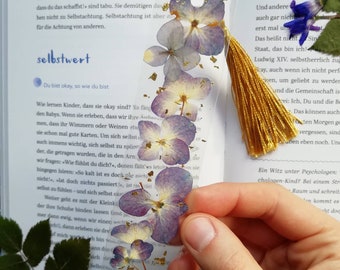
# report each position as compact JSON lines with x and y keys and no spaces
{"x":286,"y":213}
{"x":184,"y":262}
{"x":213,"y":245}
{"x":254,"y":231}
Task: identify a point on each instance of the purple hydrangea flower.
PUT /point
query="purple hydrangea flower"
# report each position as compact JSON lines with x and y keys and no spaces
{"x":139,"y":251}
{"x":304,"y":14}
{"x":177,"y":56}
{"x":177,"y":95}
{"x":128,"y":233}
{"x":172,"y":184}
{"x":204,"y":33}
{"x":170,"y":141}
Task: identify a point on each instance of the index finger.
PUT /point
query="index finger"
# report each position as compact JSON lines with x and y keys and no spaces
{"x":287,"y":214}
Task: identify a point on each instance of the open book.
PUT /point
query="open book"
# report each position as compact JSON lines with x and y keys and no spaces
{"x":74,"y":86}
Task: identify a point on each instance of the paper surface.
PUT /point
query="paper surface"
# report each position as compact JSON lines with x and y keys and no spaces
{"x":308,"y":84}
{"x":76,"y":85}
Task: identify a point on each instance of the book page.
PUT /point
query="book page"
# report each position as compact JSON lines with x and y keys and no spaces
{"x":308,"y":84}
{"x":75,"y":78}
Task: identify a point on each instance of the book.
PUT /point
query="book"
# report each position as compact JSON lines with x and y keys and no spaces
{"x":308,"y":84}
{"x":71,"y":78}
{"x":74,"y":86}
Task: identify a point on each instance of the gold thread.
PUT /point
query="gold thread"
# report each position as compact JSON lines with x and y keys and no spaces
{"x":264,"y":120}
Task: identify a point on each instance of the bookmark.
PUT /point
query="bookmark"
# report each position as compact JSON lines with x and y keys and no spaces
{"x":172,"y":126}
{"x":182,"y":74}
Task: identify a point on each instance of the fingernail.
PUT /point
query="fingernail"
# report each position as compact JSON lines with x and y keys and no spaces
{"x":199,"y":233}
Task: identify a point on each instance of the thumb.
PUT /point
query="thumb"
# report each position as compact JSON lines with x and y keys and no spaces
{"x":214,"y":246}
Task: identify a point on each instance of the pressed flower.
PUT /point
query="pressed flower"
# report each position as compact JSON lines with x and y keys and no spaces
{"x":301,"y":26}
{"x":176,"y":56}
{"x":139,"y":251}
{"x":170,"y":141}
{"x":203,"y":32}
{"x":172,"y":185}
{"x":130,"y":232}
{"x":177,"y":95}
{"x":304,"y":14}
{"x":306,"y":9}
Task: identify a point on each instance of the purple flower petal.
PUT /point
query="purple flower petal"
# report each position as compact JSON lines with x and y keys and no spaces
{"x":172,"y":69}
{"x":149,"y":151}
{"x":301,"y":26}
{"x":156,"y":56}
{"x":165,"y":104}
{"x":149,"y":130}
{"x":187,"y":57}
{"x":173,"y":184}
{"x":135,"y":202}
{"x":306,"y":9}
{"x":171,"y":35}
{"x":141,"y":250}
{"x":118,"y":261}
{"x":190,"y":111}
{"x":128,"y":233}
{"x":176,"y":57}
{"x":211,"y":11}
{"x":166,"y":224}
{"x":175,"y":152}
{"x":179,"y":127}
{"x":177,"y":132}
{"x":207,"y":40}
{"x":177,"y":95}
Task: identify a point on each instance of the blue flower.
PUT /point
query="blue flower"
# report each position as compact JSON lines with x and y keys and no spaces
{"x":306,"y":9}
{"x":304,"y":14}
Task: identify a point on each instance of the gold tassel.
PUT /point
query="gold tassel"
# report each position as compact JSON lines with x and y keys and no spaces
{"x":265,"y":122}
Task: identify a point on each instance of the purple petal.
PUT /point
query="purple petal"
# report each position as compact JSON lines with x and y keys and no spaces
{"x":181,"y":128}
{"x":148,"y":130}
{"x":306,"y":9}
{"x":211,"y":11}
{"x":171,"y":35}
{"x":194,"y":88}
{"x":175,"y":152}
{"x":166,"y":224}
{"x":296,"y":26}
{"x":156,"y":56}
{"x":190,"y":111}
{"x":303,"y":37}
{"x":135,"y":202}
{"x":181,"y":8}
{"x":165,"y":104}
{"x":119,"y":257}
{"x":173,"y":184}
{"x":192,"y":39}
{"x":172,"y":69}
{"x":130,"y":232}
{"x":210,"y":40}
{"x":187,"y":57}
{"x":149,"y":151}
{"x":141,"y":250}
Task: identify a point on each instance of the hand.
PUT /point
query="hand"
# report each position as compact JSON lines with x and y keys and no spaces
{"x":252,"y":226}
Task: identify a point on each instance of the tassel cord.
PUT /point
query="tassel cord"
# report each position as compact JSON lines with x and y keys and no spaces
{"x":264,"y":120}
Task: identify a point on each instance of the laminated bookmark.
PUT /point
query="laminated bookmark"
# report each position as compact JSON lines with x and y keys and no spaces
{"x":183,"y":74}
{"x":185,"y":70}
